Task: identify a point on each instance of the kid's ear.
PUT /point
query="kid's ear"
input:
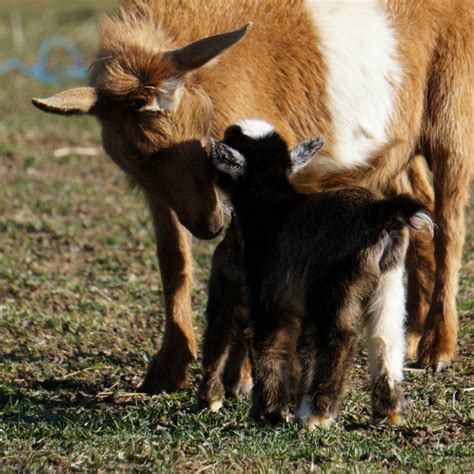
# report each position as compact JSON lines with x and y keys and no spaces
{"x":304,"y":152}
{"x":226,"y":159}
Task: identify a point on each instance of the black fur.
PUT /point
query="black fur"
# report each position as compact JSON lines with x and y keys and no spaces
{"x":309,"y":263}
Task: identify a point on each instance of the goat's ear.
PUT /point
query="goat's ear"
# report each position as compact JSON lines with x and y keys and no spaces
{"x":226,"y":159}
{"x":304,"y":152}
{"x":200,"y":52}
{"x":77,"y":101}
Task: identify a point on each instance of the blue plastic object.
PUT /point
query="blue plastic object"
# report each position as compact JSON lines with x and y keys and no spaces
{"x":39,"y":71}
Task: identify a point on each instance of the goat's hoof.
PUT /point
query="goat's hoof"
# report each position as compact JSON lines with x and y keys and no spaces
{"x":436,"y":349}
{"x":166,"y":373}
{"x":156,"y":383}
{"x":215,"y":406}
{"x":438,"y":362}
{"x":395,"y":418}
{"x":314,"y":422}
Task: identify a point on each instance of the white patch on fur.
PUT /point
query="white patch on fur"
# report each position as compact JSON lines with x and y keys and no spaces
{"x":359,"y":47}
{"x":385,"y":327}
{"x":167,"y":96}
{"x":256,"y":128}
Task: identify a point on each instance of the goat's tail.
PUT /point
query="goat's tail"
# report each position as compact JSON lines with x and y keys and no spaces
{"x":404,"y":210}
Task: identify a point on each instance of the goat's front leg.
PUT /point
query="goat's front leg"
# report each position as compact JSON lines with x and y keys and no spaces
{"x":167,"y":370}
{"x":224,"y":343}
{"x":226,"y":365}
{"x":386,"y":345}
{"x":275,"y":336}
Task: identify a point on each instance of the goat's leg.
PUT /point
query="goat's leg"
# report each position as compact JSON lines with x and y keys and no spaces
{"x":386,"y":345}
{"x":275,"y":335}
{"x":420,"y":261}
{"x":450,"y":139}
{"x":329,"y":315}
{"x":420,"y":258}
{"x":237,"y":377}
{"x":334,"y":354}
{"x":167,"y":370}
{"x":227,"y":318}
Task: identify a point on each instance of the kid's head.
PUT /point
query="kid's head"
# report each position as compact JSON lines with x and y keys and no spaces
{"x":254,"y":155}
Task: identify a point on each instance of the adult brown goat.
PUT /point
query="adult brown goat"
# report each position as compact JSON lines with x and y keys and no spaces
{"x":381,"y":80}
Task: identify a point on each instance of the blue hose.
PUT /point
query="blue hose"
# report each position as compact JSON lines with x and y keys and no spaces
{"x":39,"y":71}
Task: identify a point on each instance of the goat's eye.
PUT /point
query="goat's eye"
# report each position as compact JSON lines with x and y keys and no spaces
{"x":135,"y":105}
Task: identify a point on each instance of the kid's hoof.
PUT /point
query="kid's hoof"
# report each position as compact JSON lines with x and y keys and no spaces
{"x":395,"y":419}
{"x":314,"y":422}
{"x":215,"y":406}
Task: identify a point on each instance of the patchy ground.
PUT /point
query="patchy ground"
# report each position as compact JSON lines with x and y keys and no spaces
{"x":81,"y":314}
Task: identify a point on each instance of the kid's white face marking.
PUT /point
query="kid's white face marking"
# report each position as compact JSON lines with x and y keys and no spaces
{"x":256,"y":128}
{"x":359,"y":47}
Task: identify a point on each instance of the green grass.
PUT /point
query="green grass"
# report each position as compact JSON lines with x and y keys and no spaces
{"x":81,"y":314}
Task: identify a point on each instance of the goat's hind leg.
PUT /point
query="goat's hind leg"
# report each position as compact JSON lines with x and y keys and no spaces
{"x":386,"y":345}
{"x":420,"y":261}
{"x":334,"y":341}
{"x":275,"y":336}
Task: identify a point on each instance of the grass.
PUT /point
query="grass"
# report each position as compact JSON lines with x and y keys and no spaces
{"x":81,"y":314}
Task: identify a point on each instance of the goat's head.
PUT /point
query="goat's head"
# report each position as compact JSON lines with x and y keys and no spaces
{"x":155,"y":118}
{"x":254,"y":155}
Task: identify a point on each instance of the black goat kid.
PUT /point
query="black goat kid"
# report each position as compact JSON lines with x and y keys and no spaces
{"x":312,"y":265}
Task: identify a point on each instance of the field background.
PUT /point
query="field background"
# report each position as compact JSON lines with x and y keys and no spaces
{"x":81,"y":314}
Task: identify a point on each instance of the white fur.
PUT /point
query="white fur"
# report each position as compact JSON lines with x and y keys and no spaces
{"x":359,"y":47}
{"x":385,"y":327}
{"x":255,"y":128}
{"x":215,"y":406}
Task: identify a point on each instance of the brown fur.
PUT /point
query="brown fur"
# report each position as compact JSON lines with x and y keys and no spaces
{"x":270,"y":75}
